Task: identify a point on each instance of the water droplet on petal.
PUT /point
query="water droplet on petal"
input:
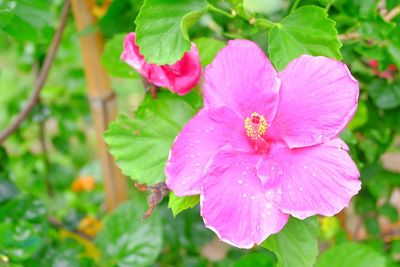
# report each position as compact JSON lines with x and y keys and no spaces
{"x":314,"y":174}
{"x":305,"y":167}
{"x":268,"y":205}
{"x":301,"y":188}
{"x":240,"y":181}
{"x":253,"y":197}
{"x":258,"y":228}
{"x":269,"y":194}
{"x":244,"y":195}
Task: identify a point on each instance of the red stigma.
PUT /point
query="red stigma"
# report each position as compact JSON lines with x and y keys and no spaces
{"x":255,"y":119}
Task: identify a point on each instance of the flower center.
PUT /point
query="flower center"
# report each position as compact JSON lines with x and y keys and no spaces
{"x":255,"y":127}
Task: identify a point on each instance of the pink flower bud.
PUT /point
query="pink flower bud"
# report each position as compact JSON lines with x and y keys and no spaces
{"x":179,"y":77}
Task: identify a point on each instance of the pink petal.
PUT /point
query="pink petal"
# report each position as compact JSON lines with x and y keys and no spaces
{"x":243,"y":79}
{"x":317,"y":99}
{"x":184,"y":74}
{"x":312,"y":180}
{"x":132,"y":56}
{"x":180,"y":77}
{"x":201,"y":137}
{"x":233,"y":204}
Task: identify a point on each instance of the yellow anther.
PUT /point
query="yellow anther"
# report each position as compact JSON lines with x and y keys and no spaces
{"x":255,"y":126}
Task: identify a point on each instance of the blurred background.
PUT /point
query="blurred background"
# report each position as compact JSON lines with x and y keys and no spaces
{"x":56,"y":209}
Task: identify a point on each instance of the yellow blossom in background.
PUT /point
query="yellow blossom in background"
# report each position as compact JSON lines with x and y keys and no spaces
{"x":83,"y":183}
{"x":90,"y":226}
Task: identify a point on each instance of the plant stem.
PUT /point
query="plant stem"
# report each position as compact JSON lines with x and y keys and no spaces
{"x":294,"y":6}
{"x":44,"y":71}
{"x":265,"y":23}
{"x":220,"y":11}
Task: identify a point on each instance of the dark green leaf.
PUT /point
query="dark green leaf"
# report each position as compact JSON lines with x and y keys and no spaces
{"x":141,"y":146}
{"x":19,"y":240}
{"x":254,"y":259}
{"x":351,"y":254}
{"x":7,"y":190}
{"x":305,"y":31}
{"x":162,"y":28}
{"x":296,"y":244}
{"x":127,"y":240}
{"x":389,"y":211}
{"x":179,"y":204}
{"x":385,"y":95}
{"x":120,"y":17}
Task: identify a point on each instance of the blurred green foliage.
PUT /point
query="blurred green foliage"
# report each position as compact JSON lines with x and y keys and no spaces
{"x":40,"y":213}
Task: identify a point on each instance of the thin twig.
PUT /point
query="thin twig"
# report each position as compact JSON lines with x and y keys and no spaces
{"x":392,"y":13}
{"x":42,"y":76}
{"x":349,"y":36}
{"x":58,"y":225}
{"x":355,"y":35}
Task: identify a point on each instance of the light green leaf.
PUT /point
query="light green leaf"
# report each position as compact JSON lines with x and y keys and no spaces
{"x":162,"y":28}
{"x":208,"y":49}
{"x":305,"y":31}
{"x":296,"y":245}
{"x":31,"y":21}
{"x":141,"y":146}
{"x":127,"y":240}
{"x":351,"y":254}
{"x":110,"y":59}
{"x":360,"y":118}
{"x":179,"y":204}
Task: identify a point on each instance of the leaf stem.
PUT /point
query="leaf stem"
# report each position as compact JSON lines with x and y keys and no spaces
{"x":220,"y":11}
{"x":294,"y":6}
{"x":264,"y":23}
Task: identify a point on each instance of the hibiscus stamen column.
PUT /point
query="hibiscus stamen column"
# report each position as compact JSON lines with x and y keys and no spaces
{"x":255,"y":127}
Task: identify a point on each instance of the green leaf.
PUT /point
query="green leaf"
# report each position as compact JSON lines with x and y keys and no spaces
{"x":19,"y":240}
{"x":385,"y":95}
{"x":389,"y":211}
{"x":31,"y":21}
{"x":360,"y":118}
{"x":208,"y":49}
{"x":351,"y":254}
{"x":7,"y":190}
{"x":110,"y":59}
{"x":120,"y":17}
{"x":162,"y":28}
{"x":305,"y":31}
{"x":179,"y":204}
{"x":127,"y":240}
{"x":254,"y":259}
{"x":141,"y":146}
{"x":378,"y":28}
{"x":6,"y":13}
{"x":296,"y":244}
{"x":394,"y":45}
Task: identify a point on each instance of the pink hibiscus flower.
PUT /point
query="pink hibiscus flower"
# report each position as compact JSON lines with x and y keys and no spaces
{"x":180,"y":77}
{"x":266,"y":145}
